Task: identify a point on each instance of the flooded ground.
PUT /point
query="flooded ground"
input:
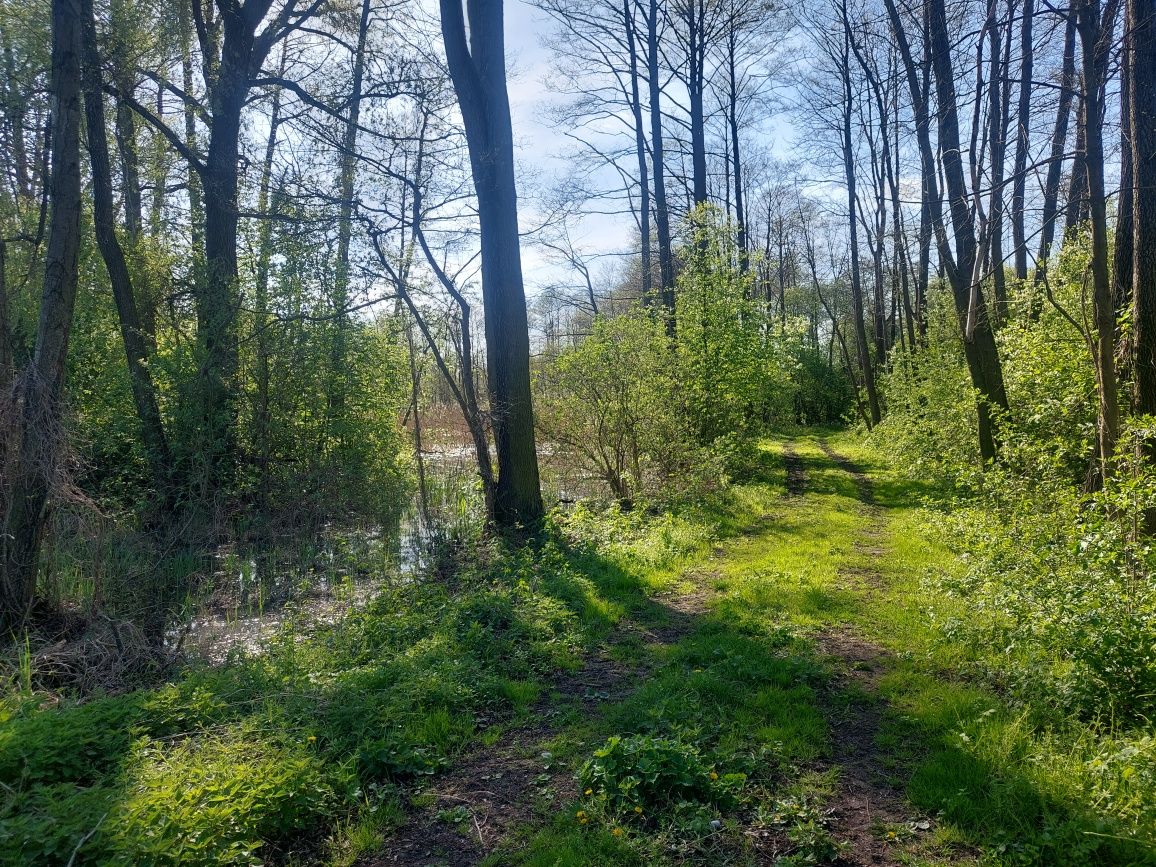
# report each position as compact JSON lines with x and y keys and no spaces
{"x":255,"y":591}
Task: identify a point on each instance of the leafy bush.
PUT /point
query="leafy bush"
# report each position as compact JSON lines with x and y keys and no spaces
{"x":217,"y":800}
{"x":636,"y":775}
{"x":616,"y":407}
{"x":665,"y":417}
{"x":1058,"y":584}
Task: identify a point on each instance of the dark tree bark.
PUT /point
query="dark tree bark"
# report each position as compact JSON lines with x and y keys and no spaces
{"x":14,"y":107}
{"x":1142,"y":103}
{"x":1123,"y":253}
{"x":1076,"y":209}
{"x":42,"y":384}
{"x":6,"y":371}
{"x":848,"y":146}
{"x":217,"y":299}
{"x":658,"y":167}
{"x":736,"y":153}
{"x":233,"y":47}
{"x":880,"y":161}
{"x":104,"y":220}
{"x":979,"y":345}
{"x":478,"y":71}
{"x":996,"y":132}
{"x":268,"y":203}
{"x":189,"y":116}
{"x":640,"y":154}
{"x":1095,"y":35}
{"x":694,"y":14}
{"x":348,"y":176}
{"x":1051,"y":198}
{"x":1023,"y":141}
{"x":929,"y":186}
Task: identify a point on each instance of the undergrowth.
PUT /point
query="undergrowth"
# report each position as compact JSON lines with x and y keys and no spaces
{"x":263,"y":756}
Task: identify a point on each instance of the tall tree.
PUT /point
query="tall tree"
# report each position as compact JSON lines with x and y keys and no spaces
{"x":346,"y":179}
{"x":38,"y":436}
{"x":1094,"y":26}
{"x":696,"y":30}
{"x":842,"y":56}
{"x":133,"y":335}
{"x":1051,"y":194}
{"x":1023,"y":140}
{"x":477,"y":65}
{"x":658,"y":165}
{"x":979,"y":345}
{"x":233,"y":47}
{"x":1141,"y":60}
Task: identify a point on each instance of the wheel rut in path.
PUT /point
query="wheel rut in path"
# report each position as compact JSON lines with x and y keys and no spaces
{"x":501,"y":785}
{"x":796,"y":472}
{"x":869,"y":800}
{"x":509,"y":783}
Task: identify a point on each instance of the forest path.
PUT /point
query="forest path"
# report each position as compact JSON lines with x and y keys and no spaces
{"x":869,"y":810}
{"x":783,"y":601}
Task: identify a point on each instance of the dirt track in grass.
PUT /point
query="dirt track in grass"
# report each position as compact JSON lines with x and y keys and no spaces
{"x":477,"y":808}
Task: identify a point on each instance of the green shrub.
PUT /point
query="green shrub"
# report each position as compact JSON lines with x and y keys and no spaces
{"x":217,"y":800}
{"x":636,"y":775}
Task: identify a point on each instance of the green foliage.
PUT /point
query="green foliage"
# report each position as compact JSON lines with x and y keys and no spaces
{"x":824,"y":394}
{"x":646,"y":773}
{"x":735,"y":374}
{"x":668,"y":418}
{"x":1059,"y":608}
{"x":1058,"y":584}
{"x":216,"y":800}
{"x":227,"y":765}
{"x":615,"y":404}
{"x":930,"y":420}
{"x":807,"y":827}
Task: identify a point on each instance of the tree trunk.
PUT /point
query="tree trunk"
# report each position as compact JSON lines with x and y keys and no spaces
{"x":478,"y":71}
{"x":348,"y":176}
{"x":217,"y":298}
{"x":1093,"y":34}
{"x":1123,"y":253}
{"x":640,"y":155}
{"x":848,"y":145}
{"x":736,"y":155}
{"x":196,"y":195}
{"x":1050,"y":210}
{"x":979,"y":340}
{"x":6,"y":363}
{"x":696,"y":87}
{"x":268,"y":204}
{"x":1142,"y":88}
{"x":42,"y":384}
{"x":104,"y":221}
{"x":1023,"y":142}
{"x":1076,"y":211}
{"x":217,"y":293}
{"x":996,"y":132}
{"x":658,"y":166}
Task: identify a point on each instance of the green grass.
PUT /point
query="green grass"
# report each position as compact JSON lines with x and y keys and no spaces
{"x":318,"y":750}
{"x":999,"y":788}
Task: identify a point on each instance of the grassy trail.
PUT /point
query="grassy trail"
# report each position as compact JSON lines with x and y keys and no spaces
{"x":767,"y":651}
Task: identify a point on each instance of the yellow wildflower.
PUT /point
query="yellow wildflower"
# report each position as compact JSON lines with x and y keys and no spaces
{"x":638,"y":809}
{"x":580,"y":813}
{"x":588,"y":792}
{"x":312,"y":739}
{"x":617,"y":832}
{"x":713,"y":775}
